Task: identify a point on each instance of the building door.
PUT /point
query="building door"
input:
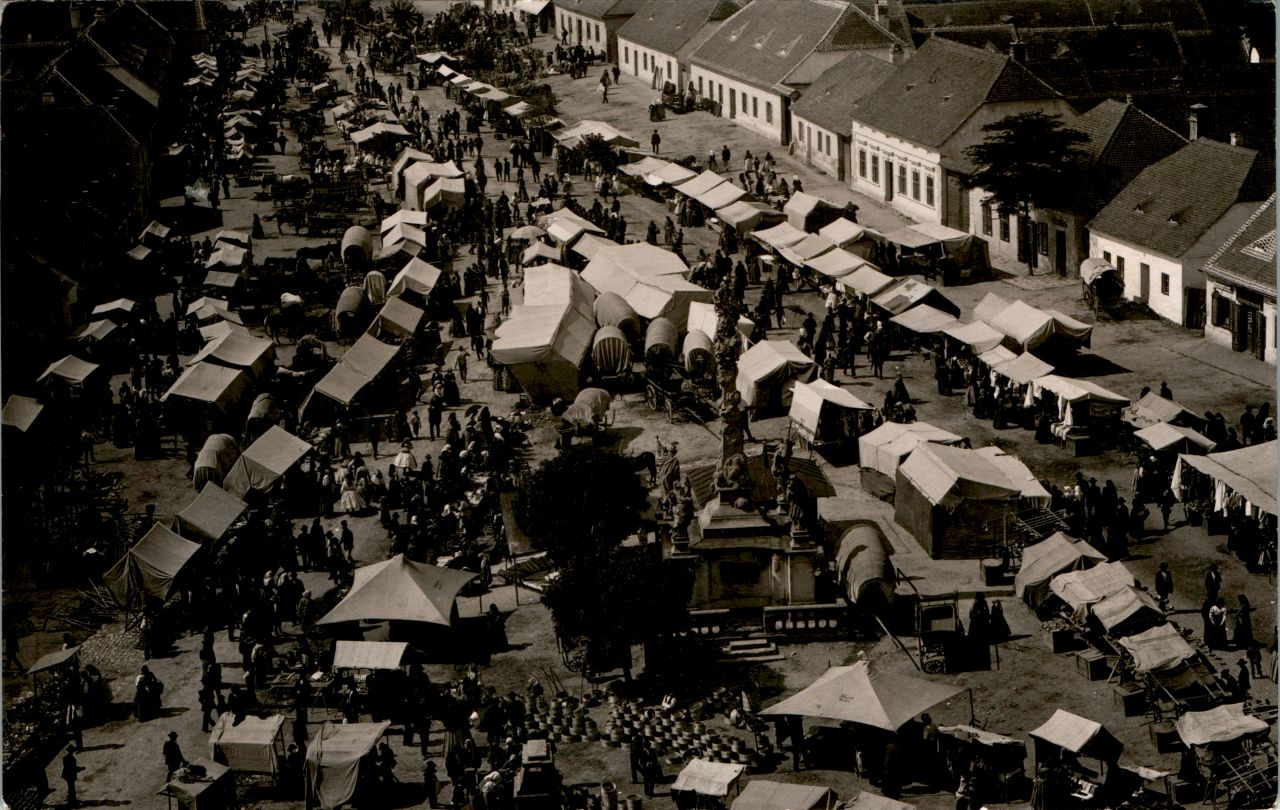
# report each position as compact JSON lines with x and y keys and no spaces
{"x":733,"y":103}
{"x":1193,"y":308}
{"x":888,"y":180}
{"x":1144,"y":280}
{"x":955,"y":211}
{"x":842,"y":156}
{"x":1060,"y":251}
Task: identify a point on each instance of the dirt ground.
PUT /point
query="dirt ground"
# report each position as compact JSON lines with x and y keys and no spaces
{"x":123,"y":758}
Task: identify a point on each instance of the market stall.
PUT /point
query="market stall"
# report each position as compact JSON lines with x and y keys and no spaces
{"x":808,"y":212}
{"x":1154,"y":409}
{"x":718,"y":781}
{"x":150,"y":567}
{"x":823,"y":414}
{"x":335,"y":759}
{"x":200,"y":785}
{"x":401,"y":590}
{"x":1158,"y":648}
{"x":763,"y":794}
{"x":265,"y":462}
{"x":768,"y":371}
{"x":369,"y":654}
{"x":957,"y":503}
{"x":908,"y":293}
{"x":1043,"y":561}
{"x":865,"y":694}
{"x":1067,"y":733}
{"x":209,"y":516}
{"x":546,"y":339}
{"x":1080,"y":590}
{"x":249,"y":744}
{"x":885,"y":448}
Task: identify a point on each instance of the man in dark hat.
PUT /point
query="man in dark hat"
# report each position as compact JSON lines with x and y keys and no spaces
{"x":173,"y":759}
{"x":70,"y":774}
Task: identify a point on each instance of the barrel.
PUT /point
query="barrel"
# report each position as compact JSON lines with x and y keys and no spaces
{"x":609,"y":796}
{"x":698,"y":355}
{"x":611,"y":351}
{"x":660,"y":341}
{"x":634,"y":802}
{"x":612,"y":309}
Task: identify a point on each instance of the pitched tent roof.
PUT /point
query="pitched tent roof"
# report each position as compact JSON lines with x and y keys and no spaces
{"x":977,"y":335}
{"x":866,"y":800}
{"x":1158,"y":648}
{"x":1043,"y":561}
{"x":708,"y":778}
{"x":809,"y":399}
{"x":70,"y":369}
{"x":215,"y":385}
{"x":1029,"y":327}
{"x":398,"y":318}
{"x":1162,"y":436}
{"x":53,"y":659}
{"x":611,"y":135}
{"x":842,"y":231}
{"x":885,"y":448}
{"x":800,"y":205}
{"x":1126,"y":611}
{"x":334,"y":757}
{"x":1081,"y":589}
{"x":1074,"y":390}
{"x":784,"y":234}
{"x":360,"y":366}
{"x":400,"y":589}
{"x":209,"y":516}
{"x":762,"y":794}
{"x":747,"y":215}
{"x":21,"y":412}
{"x":239,"y":350}
{"x":1248,"y":258}
{"x":669,"y":28}
{"x":1018,"y":474}
{"x":150,"y":566}
{"x":927,"y":98}
{"x":546,"y":339}
{"x":649,"y":278}
{"x":1079,"y":735}
{"x":1219,"y":724}
{"x":1249,"y":471}
{"x":264,"y":461}
{"x":769,"y":363}
{"x":1154,"y":409}
{"x":810,"y":247}
{"x":832,"y":100}
{"x":924,"y":319}
{"x":1172,"y":203}
{"x":948,"y":476}
{"x":1023,"y":368}
{"x":836,"y":263}
{"x":249,"y":744}
{"x":417,"y":276}
{"x":910,"y":292}
{"x":700,"y":184}
{"x":867,"y":280}
{"x":369,"y":654}
{"x":865,"y":694}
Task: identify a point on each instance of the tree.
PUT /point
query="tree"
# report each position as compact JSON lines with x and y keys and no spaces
{"x":1029,"y":160}
{"x":579,"y":508}
{"x":404,"y":16}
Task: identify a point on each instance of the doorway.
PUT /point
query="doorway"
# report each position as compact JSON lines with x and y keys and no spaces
{"x":733,"y":103}
{"x":888,"y":180}
{"x":1060,"y":251}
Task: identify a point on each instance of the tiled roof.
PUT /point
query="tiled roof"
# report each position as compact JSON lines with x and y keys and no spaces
{"x":667,"y":26}
{"x":858,"y":31}
{"x":600,"y":9}
{"x":1172,"y":203}
{"x":1249,"y":256}
{"x":1123,"y":140}
{"x":926,"y":99}
{"x":767,"y":40}
{"x":830,"y":101}
{"x":1184,"y":14}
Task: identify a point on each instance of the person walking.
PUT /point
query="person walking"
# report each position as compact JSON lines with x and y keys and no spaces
{"x":461,"y":365}
{"x":1164,"y":584}
{"x":173,"y":759}
{"x":71,"y":769}
{"x":655,"y":140}
{"x":431,"y":783}
{"x":1212,"y":583}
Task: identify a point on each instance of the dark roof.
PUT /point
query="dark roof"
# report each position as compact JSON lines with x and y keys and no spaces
{"x":927,"y":99}
{"x":1249,"y":256}
{"x":1123,"y":140}
{"x":1184,"y":14}
{"x":858,"y":31}
{"x":1172,"y":203}
{"x":830,"y":101}
{"x":767,"y":40}
{"x":667,"y":26}
{"x":600,"y":9}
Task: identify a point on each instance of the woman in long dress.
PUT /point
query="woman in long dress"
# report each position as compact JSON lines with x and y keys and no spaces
{"x":1244,"y":624}
{"x":350,"y":500}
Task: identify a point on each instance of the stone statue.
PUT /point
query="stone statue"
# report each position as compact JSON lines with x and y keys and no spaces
{"x":731,"y":441}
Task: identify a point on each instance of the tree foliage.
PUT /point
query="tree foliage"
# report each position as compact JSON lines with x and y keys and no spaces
{"x":1029,"y":160}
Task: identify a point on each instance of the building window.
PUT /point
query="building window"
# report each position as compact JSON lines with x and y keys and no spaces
{"x":1042,"y":238}
{"x":720,"y":94}
{"x":755,"y":106}
{"x":875,"y":169}
{"x":1120,"y":265}
{"x":768,"y":112}
{"x":902,"y":178}
{"x":928,"y":191}
{"x":1164,"y":280}
{"x":986,"y":219}
{"x":671,"y":74}
{"x":644,"y":61}
{"x":1004,"y":226}
{"x":626,"y":55}
{"x":699,"y":85}
{"x":1221,"y":310}
{"x":598,"y":32}
{"x":862,"y":163}
{"x":1106,"y":256}
{"x":915,"y":185}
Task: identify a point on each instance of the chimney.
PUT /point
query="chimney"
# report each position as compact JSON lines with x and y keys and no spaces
{"x":1018,"y":51}
{"x":99,"y":12}
{"x":1237,"y":139}
{"x":897,"y":55}
{"x":77,"y":17}
{"x":1128,"y":98}
{"x":882,"y":11}
{"x":1193,"y":125}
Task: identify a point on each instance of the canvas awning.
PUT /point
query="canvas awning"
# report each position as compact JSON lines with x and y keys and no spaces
{"x":862,"y":561}
{"x":546,"y":339}
{"x":265,"y":461}
{"x":566,"y":215}
{"x":746,"y":215}
{"x":978,"y":336}
{"x":20,"y":412}
{"x":671,"y":174}
{"x":415,"y":277}
{"x":885,"y":448}
{"x":401,"y":590}
{"x":238,"y":350}
{"x":836,"y":263}
{"x":539,"y":250}
{"x":361,"y":365}
{"x":209,"y":516}
{"x":53,"y":659}
{"x":801,"y":205}
{"x":404,"y":232}
{"x":865,"y":694}
{"x":139,"y":253}
{"x":722,"y":195}
{"x":1032,"y":491}
{"x":333,"y":760}
{"x":1043,"y":561}
{"x":867,"y":280}
{"x":448,"y":190}
{"x":1126,"y":611}
{"x":909,"y":293}
{"x":948,"y":476}
{"x":1158,"y":648}
{"x":369,"y":654}
{"x":1023,"y":369}
{"x":809,"y":399}
{"x":650,"y":279}
{"x":210,"y":384}
{"x":808,"y":248}
{"x":572,"y":136}
{"x":1164,"y":436}
{"x":150,"y":567}
{"x":707,"y":778}
{"x":1218,"y":725}
{"x":866,"y":800}
{"x":98,"y":330}
{"x":70,"y":369}
{"x":381,"y":129}
{"x":406,"y":158}
{"x":842,"y":231}
{"x":1079,"y":735}
{"x":398,"y":318}
{"x":999,"y":355}
{"x":123,"y":305}
{"x":1073,"y":390}
{"x":494,"y":94}
{"x":924,"y":319}
{"x":248,"y":744}
{"x":762,"y":794}
{"x":588,"y":245}
{"x":1082,"y":589}
{"x":1250,"y":472}
{"x":1153,"y":409}
{"x":770,"y":363}
{"x":784,"y":234}
{"x":645,"y":165}
{"x":532,"y":7}
{"x":460,"y":79}
{"x":1028,"y":327}
{"x":519,"y":109}
{"x":230,"y":237}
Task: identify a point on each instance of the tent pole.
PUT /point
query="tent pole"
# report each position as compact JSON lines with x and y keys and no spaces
{"x":973,"y":717}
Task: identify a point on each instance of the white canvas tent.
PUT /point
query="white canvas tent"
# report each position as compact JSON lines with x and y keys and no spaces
{"x":867,"y":280}
{"x":1249,"y":472}
{"x":747,"y":215}
{"x":333,"y":760}
{"x":1220,"y":724}
{"x":401,"y":590}
{"x":249,"y":745}
{"x":1032,"y":491}
{"x":784,"y":234}
{"x":1083,"y":589}
{"x":836,"y":263}
{"x":238,"y":350}
{"x":369,"y":654}
{"x":1043,"y":561}
{"x":865,"y":694}
{"x":767,"y":370}
{"x":650,"y":279}
{"x":707,"y":778}
{"x":886,"y":447}
{"x":812,"y":401}
{"x":209,"y":384}
{"x":572,"y":136}
{"x":1159,"y":648}
{"x":265,"y":461}
{"x":70,"y":370}
{"x":1078,"y":735}
{"x":924,"y":320}
{"x":546,"y":339}
{"x":1029,"y":328}
{"x":417,"y":277}
{"x":978,"y":336}
{"x":209,"y":516}
{"x":802,"y":206}
{"x":702,"y":316}
{"x":150,"y":566}
{"x":21,"y":413}
{"x":359,"y":366}
{"x":763,"y":794}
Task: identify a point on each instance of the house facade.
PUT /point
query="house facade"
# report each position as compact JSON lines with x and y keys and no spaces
{"x":821,"y":116}
{"x":909,"y":135}
{"x":654,"y":46}
{"x":593,"y":24}
{"x":1240,"y":284}
{"x":761,"y":59}
{"x":1162,"y":227}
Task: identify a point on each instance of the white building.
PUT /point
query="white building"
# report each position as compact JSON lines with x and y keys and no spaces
{"x":910,"y":133}
{"x":655,"y":44}
{"x":757,"y":62}
{"x":822,"y":115}
{"x":1163,"y":226}
{"x":1241,"y":282}
{"x":593,"y":24}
